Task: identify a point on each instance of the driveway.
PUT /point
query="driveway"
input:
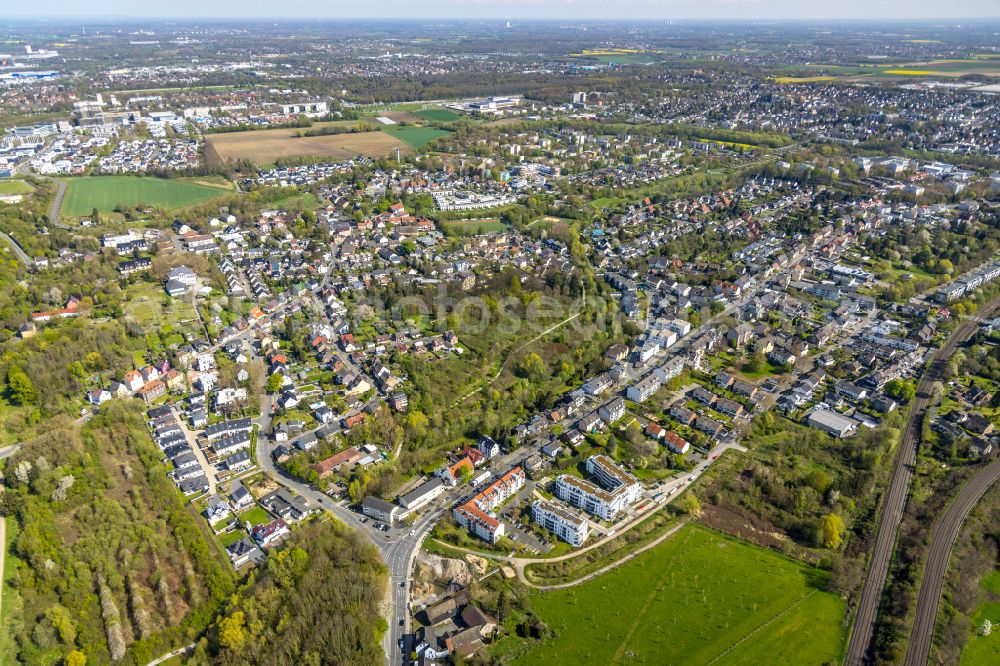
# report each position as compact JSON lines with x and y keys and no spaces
{"x":192,"y":440}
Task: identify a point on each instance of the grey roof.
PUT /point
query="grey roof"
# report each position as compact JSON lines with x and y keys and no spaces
{"x":421,"y":490}
{"x":378,"y":504}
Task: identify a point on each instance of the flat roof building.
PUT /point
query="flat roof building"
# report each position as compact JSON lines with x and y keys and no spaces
{"x":620,"y":489}
{"x":832,"y":422}
{"x":562,"y":521}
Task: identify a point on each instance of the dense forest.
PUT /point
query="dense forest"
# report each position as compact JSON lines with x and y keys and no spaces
{"x":315,"y":602}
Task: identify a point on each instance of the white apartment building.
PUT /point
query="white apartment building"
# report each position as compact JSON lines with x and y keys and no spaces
{"x":562,"y":521}
{"x":590,"y":497}
{"x":618,"y":489}
{"x":612,"y":410}
{"x":643,"y":389}
{"x":613,"y":477}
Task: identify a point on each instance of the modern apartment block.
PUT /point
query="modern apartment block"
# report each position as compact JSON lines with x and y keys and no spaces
{"x":562,"y":521}
{"x":617,"y":490}
{"x":475,"y":515}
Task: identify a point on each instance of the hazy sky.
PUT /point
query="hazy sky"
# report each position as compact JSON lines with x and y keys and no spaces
{"x":580,"y":9}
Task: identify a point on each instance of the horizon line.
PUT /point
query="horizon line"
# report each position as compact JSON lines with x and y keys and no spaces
{"x":528,"y":19}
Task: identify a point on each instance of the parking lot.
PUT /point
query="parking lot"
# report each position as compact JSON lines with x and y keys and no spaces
{"x":517,"y":530}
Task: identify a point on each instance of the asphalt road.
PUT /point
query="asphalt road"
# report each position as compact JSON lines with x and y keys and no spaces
{"x":863,"y":631}
{"x":937,"y":561}
{"x":398,"y":546}
{"x":16,"y":248}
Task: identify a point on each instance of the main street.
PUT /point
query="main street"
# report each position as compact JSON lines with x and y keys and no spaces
{"x":398,"y":546}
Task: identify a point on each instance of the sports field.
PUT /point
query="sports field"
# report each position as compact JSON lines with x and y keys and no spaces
{"x":474,"y":227}
{"x":415,"y":137}
{"x":105,"y":192}
{"x":438,"y":115}
{"x":699,"y":598}
{"x":268,"y":146}
{"x":15,"y":187}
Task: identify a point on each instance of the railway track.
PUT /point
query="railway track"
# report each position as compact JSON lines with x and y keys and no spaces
{"x":863,"y":630}
{"x":938,"y":555}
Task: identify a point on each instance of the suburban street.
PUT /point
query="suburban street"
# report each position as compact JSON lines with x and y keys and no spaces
{"x":398,"y":546}
{"x":199,"y":454}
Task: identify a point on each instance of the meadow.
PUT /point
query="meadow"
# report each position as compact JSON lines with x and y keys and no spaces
{"x":415,"y":137}
{"x":983,"y":650}
{"x":105,"y":192}
{"x":172,"y":319}
{"x":267,"y":146}
{"x":702,"y":598}
{"x":438,"y":115}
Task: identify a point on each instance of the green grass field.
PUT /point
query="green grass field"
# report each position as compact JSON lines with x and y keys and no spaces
{"x":699,"y":598}
{"x":105,"y":192}
{"x":15,"y":187}
{"x":256,"y":516}
{"x":984,"y":650}
{"x":628,"y":59}
{"x":415,"y":137}
{"x":229,"y":538}
{"x":437,"y":115}
{"x":474,"y":227}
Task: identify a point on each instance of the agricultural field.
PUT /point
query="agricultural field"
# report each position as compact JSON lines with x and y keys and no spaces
{"x":700,"y":597}
{"x":15,"y":187}
{"x":267,"y":146}
{"x":984,"y":650}
{"x":618,"y":56}
{"x":105,"y":192}
{"x":801,"y":79}
{"x":941,"y":68}
{"x":399,"y":116}
{"x":415,"y":137}
{"x":954,"y":67}
{"x":438,"y":115}
{"x":474,"y":227}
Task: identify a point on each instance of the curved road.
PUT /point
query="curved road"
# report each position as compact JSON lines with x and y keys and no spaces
{"x":16,"y":247}
{"x":858,"y":649}
{"x":937,"y":561}
{"x":398,"y":547}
